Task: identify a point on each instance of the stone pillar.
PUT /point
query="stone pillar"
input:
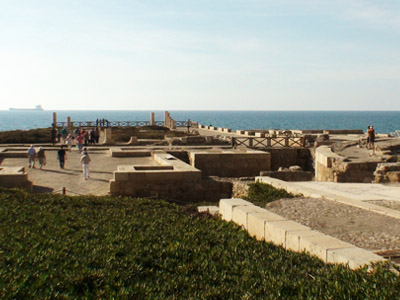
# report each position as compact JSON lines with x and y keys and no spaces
{"x":54,"y":120}
{"x":152,"y":119}
{"x":166,"y":119}
{"x":108,"y":140}
{"x":68,"y":122}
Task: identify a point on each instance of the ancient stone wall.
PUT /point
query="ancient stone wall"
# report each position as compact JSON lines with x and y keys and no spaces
{"x":387,"y":172}
{"x":331,"y":167}
{"x":230,"y":163}
{"x":171,"y":179}
{"x":286,"y":157}
{"x":14,"y":177}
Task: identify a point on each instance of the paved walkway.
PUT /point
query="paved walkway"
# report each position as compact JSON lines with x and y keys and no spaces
{"x":355,"y":194}
{"x":52,"y":178}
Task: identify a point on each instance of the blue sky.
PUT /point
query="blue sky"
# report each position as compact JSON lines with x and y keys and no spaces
{"x":208,"y":55}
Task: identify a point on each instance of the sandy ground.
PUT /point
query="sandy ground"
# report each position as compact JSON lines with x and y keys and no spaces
{"x":52,"y":178}
{"x":357,"y":226}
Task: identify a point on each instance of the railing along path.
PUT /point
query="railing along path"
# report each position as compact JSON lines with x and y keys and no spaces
{"x":117,"y":123}
{"x":268,"y":142}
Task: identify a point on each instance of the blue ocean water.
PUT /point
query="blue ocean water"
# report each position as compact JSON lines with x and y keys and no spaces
{"x":383,"y":121}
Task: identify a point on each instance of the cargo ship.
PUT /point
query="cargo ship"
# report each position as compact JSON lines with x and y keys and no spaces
{"x":36,"y":108}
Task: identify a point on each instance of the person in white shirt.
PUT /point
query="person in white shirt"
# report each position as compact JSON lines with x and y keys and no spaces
{"x":85,"y":160}
{"x":31,"y":156}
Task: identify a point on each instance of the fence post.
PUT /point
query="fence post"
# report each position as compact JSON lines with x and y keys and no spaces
{"x":250,"y":142}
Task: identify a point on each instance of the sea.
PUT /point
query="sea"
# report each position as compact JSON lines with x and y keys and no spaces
{"x":383,"y":121}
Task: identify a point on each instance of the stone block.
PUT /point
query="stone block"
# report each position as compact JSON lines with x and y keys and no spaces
{"x":293,"y":238}
{"x":256,"y":223}
{"x":320,"y":245}
{"x":212,"y":210}
{"x":226,"y":206}
{"x":354,"y":257}
{"x":121,"y":176}
{"x":240,"y":214}
{"x":276,"y":231}
{"x":114,"y":188}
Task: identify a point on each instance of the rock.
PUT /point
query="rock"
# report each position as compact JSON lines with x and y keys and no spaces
{"x":295,"y":168}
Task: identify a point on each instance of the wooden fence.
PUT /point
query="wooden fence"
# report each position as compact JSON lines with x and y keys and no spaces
{"x":268,"y":142}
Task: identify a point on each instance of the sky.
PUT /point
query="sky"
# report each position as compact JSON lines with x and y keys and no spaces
{"x":200,"y":55}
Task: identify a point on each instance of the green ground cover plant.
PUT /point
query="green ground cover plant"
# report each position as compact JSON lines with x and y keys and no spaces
{"x":261,"y":193}
{"x":58,"y":247}
{"x":40,"y":135}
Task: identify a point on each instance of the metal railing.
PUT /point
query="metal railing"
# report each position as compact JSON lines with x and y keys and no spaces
{"x":117,"y":123}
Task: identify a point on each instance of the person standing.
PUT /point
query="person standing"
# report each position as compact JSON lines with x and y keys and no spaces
{"x":371,"y":138}
{"x":79,"y":142}
{"x":85,"y":160}
{"x":61,"y":156}
{"x":68,"y":142}
{"x":53,"y":136}
{"x":31,"y":157}
{"x":92,"y":137}
{"x":41,"y":155}
{"x":86,"y":138}
{"x":97,"y":135}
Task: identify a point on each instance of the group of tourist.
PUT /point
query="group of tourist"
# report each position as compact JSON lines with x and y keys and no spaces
{"x":83,"y":137}
{"x":40,"y":155}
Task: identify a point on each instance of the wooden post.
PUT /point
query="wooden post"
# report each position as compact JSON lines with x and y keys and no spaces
{"x":152,"y":119}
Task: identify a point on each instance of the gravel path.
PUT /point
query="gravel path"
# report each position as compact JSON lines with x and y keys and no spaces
{"x":386,"y":203}
{"x":357,"y":226}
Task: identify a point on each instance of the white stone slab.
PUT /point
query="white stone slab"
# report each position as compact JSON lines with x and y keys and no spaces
{"x":226,"y":206}
{"x":256,"y":223}
{"x":354,"y":257}
{"x":320,"y":245}
{"x":276,"y":231}
{"x":240,"y":214}
{"x":293,"y":238}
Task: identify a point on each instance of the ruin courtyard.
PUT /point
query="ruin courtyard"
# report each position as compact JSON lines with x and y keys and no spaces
{"x":349,"y":192}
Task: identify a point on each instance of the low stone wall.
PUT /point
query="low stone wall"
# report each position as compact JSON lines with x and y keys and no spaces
{"x":124,"y":152}
{"x":230,"y":163}
{"x":387,"y":172}
{"x":14,"y":177}
{"x":267,"y":226}
{"x":170,"y":179}
{"x":288,"y":175}
{"x":331,"y":167}
{"x":286,"y":157}
{"x":165,"y":179}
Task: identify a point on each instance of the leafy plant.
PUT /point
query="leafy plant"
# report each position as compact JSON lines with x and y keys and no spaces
{"x":59,"y":247}
{"x":260,"y":193}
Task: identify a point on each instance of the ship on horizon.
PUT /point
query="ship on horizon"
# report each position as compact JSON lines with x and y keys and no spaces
{"x":36,"y":108}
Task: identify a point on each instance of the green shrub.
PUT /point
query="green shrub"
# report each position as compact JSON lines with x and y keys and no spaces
{"x":60,"y":247}
{"x":40,"y":135}
{"x":260,"y":193}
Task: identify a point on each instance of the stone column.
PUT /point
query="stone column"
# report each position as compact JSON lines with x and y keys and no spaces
{"x":152,"y":119}
{"x":68,"y":122}
{"x":108,"y":140}
{"x":54,"y":120}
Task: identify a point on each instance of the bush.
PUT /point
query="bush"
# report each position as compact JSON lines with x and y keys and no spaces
{"x":40,"y":135}
{"x":54,"y":246}
{"x":260,"y":193}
